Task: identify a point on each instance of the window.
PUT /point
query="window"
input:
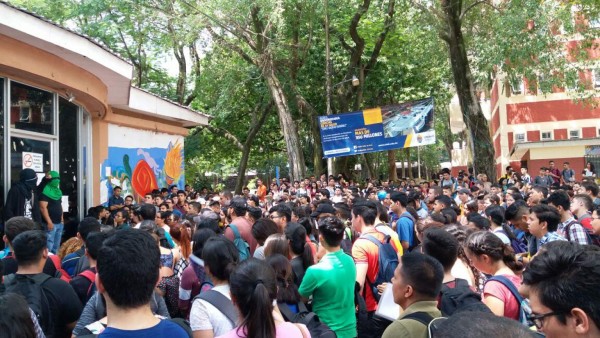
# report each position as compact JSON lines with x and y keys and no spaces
{"x":546,"y":136}
{"x":596,"y":78}
{"x":31,"y":109}
{"x":520,"y":137}
{"x":595,"y":23}
{"x":574,"y":134}
{"x":516,"y":86}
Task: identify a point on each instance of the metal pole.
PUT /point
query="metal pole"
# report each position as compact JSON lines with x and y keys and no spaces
{"x":419,"y":160}
{"x":328,"y":76}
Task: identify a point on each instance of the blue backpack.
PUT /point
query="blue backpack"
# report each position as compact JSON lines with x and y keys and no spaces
{"x":523,"y":305}
{"x":240,"y":243}
{"x":388,"y":261}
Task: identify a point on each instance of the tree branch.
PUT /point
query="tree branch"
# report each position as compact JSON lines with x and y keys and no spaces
{"x":220,"y":131}
{"x":388,"y":23}
{"x":231,"y":46}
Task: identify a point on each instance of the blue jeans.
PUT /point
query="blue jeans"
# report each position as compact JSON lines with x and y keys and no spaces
{"x":54,"y":237}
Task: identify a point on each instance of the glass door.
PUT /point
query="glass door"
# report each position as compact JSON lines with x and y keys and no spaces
{"x":26,"y":152}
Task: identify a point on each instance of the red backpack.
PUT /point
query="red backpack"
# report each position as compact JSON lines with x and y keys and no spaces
{"x":60,"y":272}
{"x":91,"y":276}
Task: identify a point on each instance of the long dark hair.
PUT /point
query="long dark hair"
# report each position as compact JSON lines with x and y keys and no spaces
{"x":287,"y":291}
{"x":485,"y":242}
{"x":253,"y":289}
{"x":15,"y":320}
{"x":296,"y":234}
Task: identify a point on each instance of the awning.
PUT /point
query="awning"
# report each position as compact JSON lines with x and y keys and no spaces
{"x":519,"y":149}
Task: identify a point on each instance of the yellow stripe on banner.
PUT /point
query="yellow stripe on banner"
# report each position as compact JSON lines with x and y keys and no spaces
{"x":372,"y":116}
{"x":408,"y":139}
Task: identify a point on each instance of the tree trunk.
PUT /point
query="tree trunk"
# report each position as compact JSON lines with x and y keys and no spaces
{"x":483,"y":152}
{"x":392,"y":174}
{"x":241,"y":178}
{"x":369,"y":165}
{"x":288,"y":126}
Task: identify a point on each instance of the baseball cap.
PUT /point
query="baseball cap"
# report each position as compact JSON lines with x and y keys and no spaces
{"x":323,"y":208}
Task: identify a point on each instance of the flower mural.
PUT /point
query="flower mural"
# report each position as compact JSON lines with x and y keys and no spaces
{"x":139,"y":170}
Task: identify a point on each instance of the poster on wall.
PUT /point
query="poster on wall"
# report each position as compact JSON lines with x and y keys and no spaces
{"x":140,"y":161}
{"x":402,"y":125}
{"x":33,"y":161}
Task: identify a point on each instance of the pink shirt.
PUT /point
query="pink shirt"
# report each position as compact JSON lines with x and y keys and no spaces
{"x":283,"y":330}
{"x":498,"y":290}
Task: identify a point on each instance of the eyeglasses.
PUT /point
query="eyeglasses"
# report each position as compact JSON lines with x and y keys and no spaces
{"x":538,"y":320}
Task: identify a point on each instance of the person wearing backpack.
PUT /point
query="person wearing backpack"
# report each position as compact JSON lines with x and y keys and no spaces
{"x":405,"y":226}
{"x":568,"y":227}
{"x":456,"y":295}
{"x":498,"y":227}
{"x":491,"y":256}
{"x":543,"y":222}
{"x":84,"y":283}
{"x":213,"y":312}
{"x":416,"y":285}
{"x":52,"y":300}
{"x":376,"y":260}
{"x":330,"y":282}
{"x":12,"y":228}
{"x":254,"y":288}
{"x":239,"y":231}
{"x":77,"y":262}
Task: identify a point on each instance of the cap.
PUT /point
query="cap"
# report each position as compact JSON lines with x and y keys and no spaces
{"x":323,"y":208}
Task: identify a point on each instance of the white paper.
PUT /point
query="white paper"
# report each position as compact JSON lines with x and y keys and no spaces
{"x":387,"y":308}
{"x":33,"y":161}
{"x":65,"y":203}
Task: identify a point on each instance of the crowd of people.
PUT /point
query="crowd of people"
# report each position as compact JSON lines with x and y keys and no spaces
{"x":461,"y":256}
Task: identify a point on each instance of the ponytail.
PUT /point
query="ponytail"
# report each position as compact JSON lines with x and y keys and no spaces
{"x":259,"y":321}
{"x":307,"y":256}
{"x":253,"y":287}
{"x":509,"y":258}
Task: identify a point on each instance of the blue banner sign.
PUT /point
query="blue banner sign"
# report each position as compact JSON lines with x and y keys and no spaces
{"x":403,"y":125}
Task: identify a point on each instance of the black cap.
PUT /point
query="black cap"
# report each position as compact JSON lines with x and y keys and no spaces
{"x":323,"y":208}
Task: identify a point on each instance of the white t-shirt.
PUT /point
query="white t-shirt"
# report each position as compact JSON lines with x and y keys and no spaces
{"x":500,"y":233}
{"x":204,"y":316}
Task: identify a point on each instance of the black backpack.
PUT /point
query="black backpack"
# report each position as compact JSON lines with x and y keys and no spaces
{"x":310,"y":319}
{"x":460,"y":298}
{"x":388,"y":261}
{"x":30,"y":287}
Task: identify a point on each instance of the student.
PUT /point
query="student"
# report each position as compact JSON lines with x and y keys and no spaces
{"x":366,"y":258}
{"x":20,"y":200}
{"x":59,"y":315}
{"x":331,"y":281}
{"x":416,"y":285}
{"x":543,"y":223}
{"x":568,"y":227}
{"x":83,"y":283}
{"x":491,"y":256}
{"x":563,"y":290}
{"x":405,"y":226}
{"x":128,"y":270}
{"x":207,"y":319}
{"x":254,"y":289}
{"x":300,"y":251}
{"x":194,"y":277}
{"x":12,"y":228}
{"x":17,"y":320}
{"x":77,"y":262}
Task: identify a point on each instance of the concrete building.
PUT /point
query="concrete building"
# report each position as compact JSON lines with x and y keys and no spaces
{"x":67,"y":104}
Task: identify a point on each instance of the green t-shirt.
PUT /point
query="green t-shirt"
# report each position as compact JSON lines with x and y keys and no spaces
{"x":331,"y":284}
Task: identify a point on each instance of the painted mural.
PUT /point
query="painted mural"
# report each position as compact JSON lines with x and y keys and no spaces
{"x":140,"y":161}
